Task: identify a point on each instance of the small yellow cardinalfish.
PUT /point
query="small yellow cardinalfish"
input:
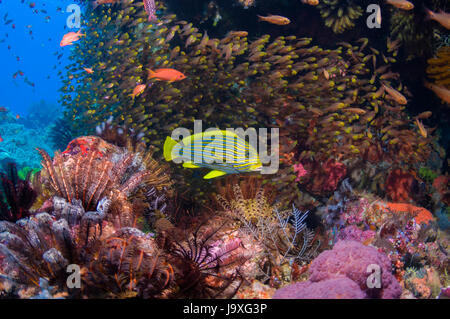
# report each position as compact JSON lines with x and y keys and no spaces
{"x":422,"y":129}
{"x":224,"y":152}
{"x":395,"y":95}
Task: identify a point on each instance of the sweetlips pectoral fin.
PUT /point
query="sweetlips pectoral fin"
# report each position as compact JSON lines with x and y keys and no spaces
{"x":168,"y":146}
{"x":214,"y":174}
{"x":190,"y":165}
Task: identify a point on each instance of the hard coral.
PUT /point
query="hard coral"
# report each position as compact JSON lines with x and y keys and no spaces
{"x":352,"y":259}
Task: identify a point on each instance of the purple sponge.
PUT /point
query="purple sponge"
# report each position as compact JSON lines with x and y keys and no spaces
{"x":334,"y":288}
{"x":343,"y":272}
{"x":352,"y":259}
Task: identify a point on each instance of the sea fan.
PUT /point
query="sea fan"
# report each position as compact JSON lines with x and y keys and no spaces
{"x":281,"y":232}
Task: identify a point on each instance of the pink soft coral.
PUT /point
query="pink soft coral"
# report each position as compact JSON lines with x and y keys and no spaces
{"x":300,"y":171}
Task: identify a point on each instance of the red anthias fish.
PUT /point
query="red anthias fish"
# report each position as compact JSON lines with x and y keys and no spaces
{"x":150,"y":8}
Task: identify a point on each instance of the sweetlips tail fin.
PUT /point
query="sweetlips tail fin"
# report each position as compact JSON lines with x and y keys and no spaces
{"x":168,"y":146}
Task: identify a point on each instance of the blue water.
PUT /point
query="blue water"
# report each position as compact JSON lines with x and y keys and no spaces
{"x":36,"y":53}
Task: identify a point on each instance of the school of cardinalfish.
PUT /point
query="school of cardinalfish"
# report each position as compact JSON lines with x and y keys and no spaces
{"x":229,"y":47}
{"x":338,"y":119}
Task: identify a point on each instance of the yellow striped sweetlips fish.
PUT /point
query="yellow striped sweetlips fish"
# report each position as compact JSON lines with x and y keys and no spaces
{"x":221,"y":151}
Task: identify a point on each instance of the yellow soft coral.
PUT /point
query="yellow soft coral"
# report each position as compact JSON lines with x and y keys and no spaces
{"x":438,"y":67}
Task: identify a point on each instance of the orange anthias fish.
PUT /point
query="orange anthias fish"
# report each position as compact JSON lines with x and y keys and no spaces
{"x":138,"y":90}
{"x":422,"y":129}
{"x":17,"y":116}
{"x":70,"y":37}
{"x":1,"y":138}
{"x":443,"y":18}
{"x":442,"y":92}
{"x":396,"y":95}
{"x":311,"y":2}
{"x":88,"y":70}
{"x":401,"y":4}
{"x":274,"y":19}
{"x":169,"y":75}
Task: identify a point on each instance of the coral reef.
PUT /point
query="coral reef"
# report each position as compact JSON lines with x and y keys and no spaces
{"x":423,"y":283}
{"x":44,"y":245}
{"x":19,"y":143}
{"x":359,"y":205}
